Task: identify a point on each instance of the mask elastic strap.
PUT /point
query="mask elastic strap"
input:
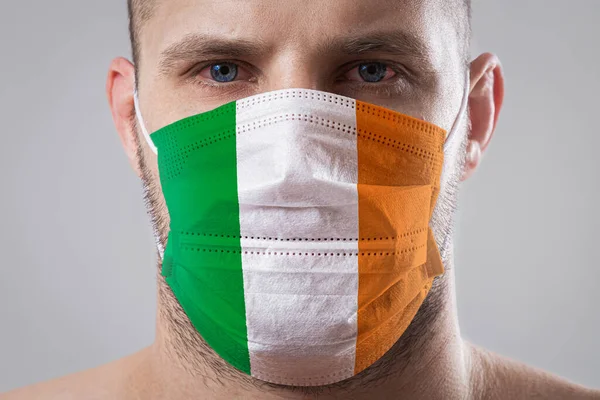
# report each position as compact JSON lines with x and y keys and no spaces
{"x":138,"y":114}
{"x":140,"y":120}
{"x":463,"y":107}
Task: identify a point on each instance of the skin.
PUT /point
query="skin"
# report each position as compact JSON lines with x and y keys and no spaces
{"x":431,"y":360}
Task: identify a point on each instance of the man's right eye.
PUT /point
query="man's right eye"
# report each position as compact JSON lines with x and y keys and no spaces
{"x":222,"y":73}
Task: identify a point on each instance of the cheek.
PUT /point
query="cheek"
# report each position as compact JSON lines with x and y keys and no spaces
{"x":442,"y":108}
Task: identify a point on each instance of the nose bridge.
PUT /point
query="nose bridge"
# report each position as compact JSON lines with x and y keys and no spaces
{"x":297,"y":68}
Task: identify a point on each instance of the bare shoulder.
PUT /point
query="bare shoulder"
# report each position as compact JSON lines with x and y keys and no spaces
{"x":111,"y":381}
{"x":498,"y":377}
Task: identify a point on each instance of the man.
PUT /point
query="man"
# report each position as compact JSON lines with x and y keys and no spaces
{"x":410,"y":56}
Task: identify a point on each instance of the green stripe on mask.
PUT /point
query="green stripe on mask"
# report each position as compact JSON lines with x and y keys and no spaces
{"x":203,"y":263}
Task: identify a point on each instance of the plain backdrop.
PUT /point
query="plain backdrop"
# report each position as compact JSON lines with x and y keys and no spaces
{"x":77,"y":285}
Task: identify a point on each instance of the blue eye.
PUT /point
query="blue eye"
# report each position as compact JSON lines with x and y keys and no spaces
{"x":224,"y":72}
{"x":373,"y":71}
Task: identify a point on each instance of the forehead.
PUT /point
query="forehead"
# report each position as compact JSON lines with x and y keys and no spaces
{"x":303,"y":26}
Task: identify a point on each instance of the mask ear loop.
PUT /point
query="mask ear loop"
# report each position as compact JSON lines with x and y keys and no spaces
{"x":463,"y":107}
{"x":140,"y":120}
{"x":461,"y":111}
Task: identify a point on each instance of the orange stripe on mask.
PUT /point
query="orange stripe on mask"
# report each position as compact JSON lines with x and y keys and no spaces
{"x":399,"y":166}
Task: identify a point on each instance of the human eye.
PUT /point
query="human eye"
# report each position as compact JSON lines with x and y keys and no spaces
{"x":371,"y":72}
{"x":378,"y":77}
{"x":222,"y":73}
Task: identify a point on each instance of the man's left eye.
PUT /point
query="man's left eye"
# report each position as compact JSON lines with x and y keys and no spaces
{"x":371,"y":72}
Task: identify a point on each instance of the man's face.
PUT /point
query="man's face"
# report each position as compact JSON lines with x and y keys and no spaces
{"x":405,"y":55}
{"x":309,"y":44}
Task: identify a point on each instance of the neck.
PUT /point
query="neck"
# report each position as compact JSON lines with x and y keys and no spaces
{"x":430,"y":361}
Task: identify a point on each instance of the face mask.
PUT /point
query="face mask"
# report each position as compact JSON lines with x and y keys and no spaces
{"x":299,"y":242}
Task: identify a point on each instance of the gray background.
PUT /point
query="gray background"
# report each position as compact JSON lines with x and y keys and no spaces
{"x":78,"y":278}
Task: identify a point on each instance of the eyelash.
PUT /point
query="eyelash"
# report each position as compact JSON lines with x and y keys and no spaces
{"x":389,"y":88}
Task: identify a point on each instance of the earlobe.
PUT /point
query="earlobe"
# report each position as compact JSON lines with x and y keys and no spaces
{"x":485,"y":101}
{"x":472,"y":158}
{"x":119,"y":90}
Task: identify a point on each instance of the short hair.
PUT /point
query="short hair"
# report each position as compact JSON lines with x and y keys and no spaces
{"x":141,"y":11}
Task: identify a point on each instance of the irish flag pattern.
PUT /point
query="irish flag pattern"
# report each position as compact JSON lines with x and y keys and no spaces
{"x":299,"y":242}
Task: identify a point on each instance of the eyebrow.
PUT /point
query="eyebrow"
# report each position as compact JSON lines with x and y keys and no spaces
{"x":396,"y":42}
{"x":197,"y":46}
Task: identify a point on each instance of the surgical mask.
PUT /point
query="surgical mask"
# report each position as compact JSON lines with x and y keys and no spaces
{"x":299,"y":243}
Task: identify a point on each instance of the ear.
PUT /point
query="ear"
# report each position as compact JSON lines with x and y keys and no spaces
{"x":119,"y":90}
{"x":485,"y":101}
